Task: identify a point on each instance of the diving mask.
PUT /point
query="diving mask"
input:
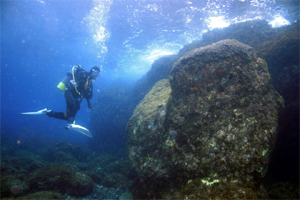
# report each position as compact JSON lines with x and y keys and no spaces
{"x":94,"y":74}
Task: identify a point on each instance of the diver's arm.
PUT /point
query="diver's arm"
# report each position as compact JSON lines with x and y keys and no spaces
{"x":88,"y":94}
{"x":90,"y":105}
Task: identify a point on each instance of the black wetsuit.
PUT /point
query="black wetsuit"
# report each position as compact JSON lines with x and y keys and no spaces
{"x":73,"y":97}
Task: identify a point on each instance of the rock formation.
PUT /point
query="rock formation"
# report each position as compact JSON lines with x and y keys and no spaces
{"x":210,"y":133}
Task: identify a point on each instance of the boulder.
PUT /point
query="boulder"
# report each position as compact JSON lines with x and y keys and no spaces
{"x":211,"y":135}
{"x":146,"y":130}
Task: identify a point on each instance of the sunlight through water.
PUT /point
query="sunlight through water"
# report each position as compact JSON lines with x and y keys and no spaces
{"x":217,"y":22}
{"x":96,"y":22}
{"x":279,"y":21}
{"x":147,"y":30}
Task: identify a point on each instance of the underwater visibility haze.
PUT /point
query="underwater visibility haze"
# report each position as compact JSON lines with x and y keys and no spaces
{"x":145,"y":130}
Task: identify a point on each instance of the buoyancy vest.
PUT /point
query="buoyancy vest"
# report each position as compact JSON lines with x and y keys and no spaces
{"x":77,"y":80}
{"x":70,"y":79}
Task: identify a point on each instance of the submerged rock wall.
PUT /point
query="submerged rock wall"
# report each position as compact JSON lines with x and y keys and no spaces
{"x":210,"y":133}
{"x":146,"y":130}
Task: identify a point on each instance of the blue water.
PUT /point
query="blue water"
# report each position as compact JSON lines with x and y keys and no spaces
{"x":41,"y":40}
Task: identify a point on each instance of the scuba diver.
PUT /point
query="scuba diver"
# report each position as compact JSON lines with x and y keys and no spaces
{"x":77,"y":85}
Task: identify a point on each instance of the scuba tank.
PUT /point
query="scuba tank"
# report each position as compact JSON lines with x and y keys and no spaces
{"x":62,"y":84}
{"x":68,"y":78}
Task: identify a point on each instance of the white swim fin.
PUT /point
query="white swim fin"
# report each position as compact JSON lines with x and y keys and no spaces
{"x":80,"y":129}
{"x":40,"y":112}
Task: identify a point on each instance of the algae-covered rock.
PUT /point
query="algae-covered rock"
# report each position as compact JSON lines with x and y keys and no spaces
{"x":10,"y":186}
{"x":217,"y":130}
{"x":146,"y":130}
{"x":223,"y":110}
{"x":115,"y":180}
{"x":96,"y":174}
{"x":63,"y":179}
{"x":62,"y":152}
{"x":44,"y":195}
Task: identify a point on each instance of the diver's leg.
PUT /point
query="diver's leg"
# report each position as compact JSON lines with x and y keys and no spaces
{"x":72,"y":107}
{"x":58,"y":115}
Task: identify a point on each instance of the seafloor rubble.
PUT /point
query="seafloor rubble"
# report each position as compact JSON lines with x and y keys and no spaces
{"x":62,"y":171}
{"x":210,"y":133}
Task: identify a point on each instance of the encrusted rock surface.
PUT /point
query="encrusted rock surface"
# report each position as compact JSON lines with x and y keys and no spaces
{"x":212,"y":136}
{"x":146,"y":130}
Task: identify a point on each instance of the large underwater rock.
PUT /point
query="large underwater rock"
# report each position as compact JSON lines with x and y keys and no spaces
{"x":146,"y":130}
{"x":210,"y":133}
